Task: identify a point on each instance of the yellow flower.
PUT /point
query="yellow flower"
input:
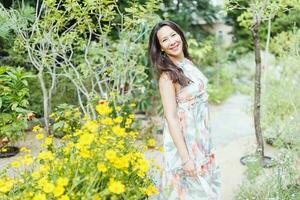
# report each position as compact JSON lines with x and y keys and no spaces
{"x":25,"y":149}
{"x":102,"y":140}
{"x":43,"y":168}
{"x":128,"y":121}
{"x":15,"y":164}
{"x":118,"y":119}
{"x":58,"y":191}
{"x":161,"y":149}
{"x":39,"y":197}
{"x":111,"y":155}
{"x":27,"y":161}
{"x":101,"y":167}
{"x":48,"y":140}
{"x":103,"y":109}
{"x":46,"y":155}
{"x":92,"y":126}
{"x":116,"y":187}
{"x":48,"y":187}
{"x":151,"y":142}
{"x":119,"y":131}
{"x":107,"y":121}
{"x":39,"y":136}
{"x":6,"y":185}
{"x":35,"y":174}
{"x":28,"y":194}
{"x":86,"y":139}
{"x":131,"y":116}
{"x":142,"y":166}
{"x":64,"y":197}
{"x":96,"y":197}
{"x":85,"y":153}
{"x":151,"y":190}
{"x":122,"y":162}
{"x":132,"y":105}
{"x":62,"y":181}
{"x":36,"y":128}
{"x":118,"y":108}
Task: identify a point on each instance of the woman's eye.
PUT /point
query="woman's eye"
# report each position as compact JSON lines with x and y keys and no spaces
{"x":173,"y":34}
{"x":164,"y":40}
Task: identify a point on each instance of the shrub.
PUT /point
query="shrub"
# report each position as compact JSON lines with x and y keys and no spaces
{"x":14,"y":95}
{"x":281,"y":104}
{"x":97,"y":161}
{"x":66,"y":119}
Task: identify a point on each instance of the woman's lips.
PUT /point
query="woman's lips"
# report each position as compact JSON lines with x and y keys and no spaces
{"x":175,"y":48}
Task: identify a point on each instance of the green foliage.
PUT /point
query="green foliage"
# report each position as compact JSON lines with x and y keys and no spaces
{"x":9,"y":55}
{"x":64,"y":92}
{"x":279,"y":182}
{"x":219,"y":92}
{"x":281,"y":104}
{"x":67,"y":118}
{"x":14,"y":95}
{"x":14,"y":91}
{"x":211,"y":57}
{"x":190,"y":15}
{"x":284,"y":16}
{"x":286,"y":42}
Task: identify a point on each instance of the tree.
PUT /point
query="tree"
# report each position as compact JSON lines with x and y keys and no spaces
{"x":75,"y":39}
{"x":254,"y":15}
{"x":282,"y":14}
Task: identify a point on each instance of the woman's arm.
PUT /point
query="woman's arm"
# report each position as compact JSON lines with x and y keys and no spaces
{"x":168,"y":98}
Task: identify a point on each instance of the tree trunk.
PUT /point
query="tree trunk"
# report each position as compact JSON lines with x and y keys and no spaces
{"x":257,"y":103}
{"x":45,"y":100}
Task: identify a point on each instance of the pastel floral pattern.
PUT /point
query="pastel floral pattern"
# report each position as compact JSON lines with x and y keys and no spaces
{"x":193,"y":116}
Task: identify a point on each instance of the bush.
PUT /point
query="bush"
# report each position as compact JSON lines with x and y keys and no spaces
{"x":66,"y":119}
{"x":281,"y":104}
{"x":14,"y":95}
{"x":97,"y":161}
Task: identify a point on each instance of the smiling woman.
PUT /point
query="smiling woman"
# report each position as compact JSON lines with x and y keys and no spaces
{"x":189,"y":168}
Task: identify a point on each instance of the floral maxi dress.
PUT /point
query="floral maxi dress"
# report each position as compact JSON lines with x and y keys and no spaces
{"x":193,"y":115}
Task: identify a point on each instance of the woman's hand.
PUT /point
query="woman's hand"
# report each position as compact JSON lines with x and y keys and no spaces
{"x":189,"y":168}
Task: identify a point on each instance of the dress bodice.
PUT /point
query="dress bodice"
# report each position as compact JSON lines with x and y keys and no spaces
{"x":196,"y":89}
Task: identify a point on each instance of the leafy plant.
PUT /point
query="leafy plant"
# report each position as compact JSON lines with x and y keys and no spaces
{"x":281,"y":103}
{"x":14,"y":95}
{"x":67,"y":118}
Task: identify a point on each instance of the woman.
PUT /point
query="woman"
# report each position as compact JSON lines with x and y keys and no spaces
{"x":189,"y":169}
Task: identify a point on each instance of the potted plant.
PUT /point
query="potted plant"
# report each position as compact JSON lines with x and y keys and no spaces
{"x":14,"y":95}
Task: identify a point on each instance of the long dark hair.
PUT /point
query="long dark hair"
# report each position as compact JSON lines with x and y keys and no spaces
{"x":160,"y":61}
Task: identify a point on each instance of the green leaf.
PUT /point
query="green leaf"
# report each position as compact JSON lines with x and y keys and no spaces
{"x":57,"y":125}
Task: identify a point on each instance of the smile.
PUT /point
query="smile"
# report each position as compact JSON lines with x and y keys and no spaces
{"x":174,"y":48}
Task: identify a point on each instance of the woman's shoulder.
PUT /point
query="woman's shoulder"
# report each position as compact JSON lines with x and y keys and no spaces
{"x":164,"y":76}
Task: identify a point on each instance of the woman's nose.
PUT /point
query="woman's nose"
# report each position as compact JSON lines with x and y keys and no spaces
{"x":172,"y":41}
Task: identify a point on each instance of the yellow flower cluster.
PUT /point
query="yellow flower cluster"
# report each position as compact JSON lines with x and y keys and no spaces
{"x":101,"y":151}
{"x":6,"y":184}
{"x":116,"y":187}
{"x":103,"y":108}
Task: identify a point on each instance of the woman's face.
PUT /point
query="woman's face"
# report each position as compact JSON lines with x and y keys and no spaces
{"x":170,"y":42}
